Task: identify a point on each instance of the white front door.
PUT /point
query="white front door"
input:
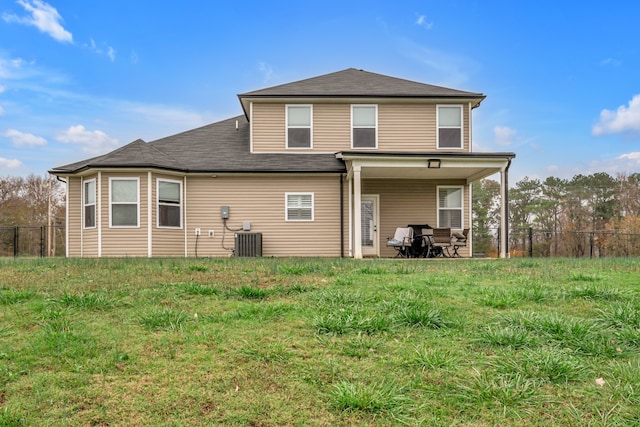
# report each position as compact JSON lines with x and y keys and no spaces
{"x":369,"y":224}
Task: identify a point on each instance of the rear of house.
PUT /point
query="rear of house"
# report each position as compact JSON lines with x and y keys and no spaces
{"x":327,"y":166}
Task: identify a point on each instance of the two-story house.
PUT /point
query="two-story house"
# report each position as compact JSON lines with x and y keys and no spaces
{"x":327,"y":166}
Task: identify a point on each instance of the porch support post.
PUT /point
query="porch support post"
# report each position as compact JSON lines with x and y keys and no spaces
{"x":504,"y":213}
{"x":357,"y":213}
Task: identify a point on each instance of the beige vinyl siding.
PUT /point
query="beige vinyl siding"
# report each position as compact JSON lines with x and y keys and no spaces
{"x":121,"y":242}
{"x":331,"y":127}
{"x":268,"y":127}
{"x":166,"y":242}
{"x":261,"y":201}
{"x":401,"y":127}
{"x":404,"y":202}
{"x":406,"y":127}
{"x":74,"y":227}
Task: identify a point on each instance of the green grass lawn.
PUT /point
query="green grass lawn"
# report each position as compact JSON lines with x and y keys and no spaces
{"x":270,"y":342}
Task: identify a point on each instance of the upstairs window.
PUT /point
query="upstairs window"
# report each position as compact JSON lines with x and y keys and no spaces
{"x":169,"y":203}
{"x":90,"y":203}
{"x":449,"y":126}
{"x":124,"y":202}
{"x":450,"y":207}
{"x":299,"y":126}
{"x":364,"y":123}
{"x":299,"y":206}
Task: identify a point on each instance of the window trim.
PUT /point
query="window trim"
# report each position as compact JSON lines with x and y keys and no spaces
{"x":461,"y":127}
{"x":439,"y":208}
{"x":374,"y":127}
{"x":286,"y":206}
{"x":158,"y":203}
{"x":287,"y":126}
{"x":111,"y":180}
{"x":94,"y":204}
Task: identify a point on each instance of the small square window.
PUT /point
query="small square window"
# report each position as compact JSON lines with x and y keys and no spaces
{"x":299,"y":206}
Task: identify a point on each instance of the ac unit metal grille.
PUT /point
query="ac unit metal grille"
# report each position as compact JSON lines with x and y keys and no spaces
{"x":248,"y":245}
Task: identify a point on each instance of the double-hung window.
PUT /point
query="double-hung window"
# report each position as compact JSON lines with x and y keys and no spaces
{"x":124,"y":199}
{"x":299,"y":123}
{"x":90,"y":203}
{"x":364,"y":124}
{"x":299,"y":206}
{"x":169,"y":203}
{"x":450,"y":206}
{"x":449,"y":126}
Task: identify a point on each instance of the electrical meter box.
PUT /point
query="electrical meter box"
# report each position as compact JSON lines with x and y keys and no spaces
{"x":224,"y":212}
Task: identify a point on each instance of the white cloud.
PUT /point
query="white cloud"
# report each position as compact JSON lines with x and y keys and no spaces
{"x":21,"y":139}
{"x":111,"y":53}
{"x":623,"y":120}
{"x":44,"y":17}
{"x":1,"y":111}
{"x":91,"y":141}
{"x":611,"y":61}
{"x":9,"y":163}
{"x":422,"y":21}
{"x":504,"y":135}
{"x":631,"y":157}
{"x":266,"y":70}
{"x":108,"y":50}
{"x":2,"y":88}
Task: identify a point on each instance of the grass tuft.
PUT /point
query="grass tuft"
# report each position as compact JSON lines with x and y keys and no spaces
{"x":191,"y":288}
{"x":373,"y":398}
{"x":163,"y":319}
{"x":8,"y":297}
{"x":88,"y":301}
{"x":434,"y":358}
{"x":511,"y":337}
{"x":250,"y":292}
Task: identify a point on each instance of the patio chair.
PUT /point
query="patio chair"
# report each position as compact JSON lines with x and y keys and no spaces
{"x":460,"y":241}
{"x":402,"y":241}
{"x":442,"y":241}
{"x":421,"y":247}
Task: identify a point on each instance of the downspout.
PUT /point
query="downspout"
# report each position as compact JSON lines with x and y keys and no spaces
{"x":341,"y":216}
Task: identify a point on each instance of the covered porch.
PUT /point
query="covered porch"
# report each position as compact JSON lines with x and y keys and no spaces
{"x":389,"y":190}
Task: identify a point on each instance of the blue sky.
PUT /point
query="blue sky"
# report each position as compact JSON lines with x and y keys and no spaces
{"x":80,"y":78}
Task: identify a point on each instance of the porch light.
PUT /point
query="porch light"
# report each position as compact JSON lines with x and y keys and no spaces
{"x":433,"y":163}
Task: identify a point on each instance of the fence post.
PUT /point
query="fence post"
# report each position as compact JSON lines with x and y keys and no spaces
{"x":42,"y":241}
{"x":591,"y":244}
{"x":530,"y":242}
{"x":15,"y":241}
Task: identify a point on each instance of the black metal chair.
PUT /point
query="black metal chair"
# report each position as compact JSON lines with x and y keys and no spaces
{"x":421,"y":247}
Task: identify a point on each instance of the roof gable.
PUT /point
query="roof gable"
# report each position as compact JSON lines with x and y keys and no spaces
{"x":355,"y":83}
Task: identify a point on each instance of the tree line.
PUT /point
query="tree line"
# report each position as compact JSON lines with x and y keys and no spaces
{"x":32,"y":215}
{"x":568,"y":217}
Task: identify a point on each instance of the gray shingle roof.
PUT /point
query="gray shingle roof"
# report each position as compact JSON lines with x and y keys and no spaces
{"x":352,"y":82}
{"x":220,"y":147}
{"x":214,"y":148}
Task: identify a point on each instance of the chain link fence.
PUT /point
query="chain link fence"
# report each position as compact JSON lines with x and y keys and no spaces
{"x":32,"y":241}
{"x":530,"y":242}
